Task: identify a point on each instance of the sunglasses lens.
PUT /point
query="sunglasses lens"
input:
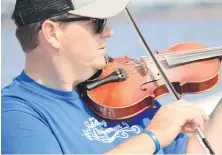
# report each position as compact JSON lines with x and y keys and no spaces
{"x":101,"y":23}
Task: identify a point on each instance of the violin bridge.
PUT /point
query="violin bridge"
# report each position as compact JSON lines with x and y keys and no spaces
{"x":148,"y":68}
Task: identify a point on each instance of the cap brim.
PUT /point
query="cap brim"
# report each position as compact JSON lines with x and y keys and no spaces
{"x":101,"y":8}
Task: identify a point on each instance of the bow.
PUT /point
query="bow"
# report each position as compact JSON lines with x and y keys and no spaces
{"x":167,"y":82}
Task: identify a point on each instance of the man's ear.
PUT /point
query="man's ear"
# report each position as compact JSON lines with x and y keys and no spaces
{"x":50,"y":33}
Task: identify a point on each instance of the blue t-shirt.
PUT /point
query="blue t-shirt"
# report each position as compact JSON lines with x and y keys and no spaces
{"x":37,"y":119}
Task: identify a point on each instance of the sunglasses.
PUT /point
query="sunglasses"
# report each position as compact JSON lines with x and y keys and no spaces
{"x":100,"y":23}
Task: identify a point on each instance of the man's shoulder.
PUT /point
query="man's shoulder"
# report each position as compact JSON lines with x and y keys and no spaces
{"x":13,"y":97}
{"x":8,"y":88}
{"x":12,"y":91}
{"x":17,"y":89}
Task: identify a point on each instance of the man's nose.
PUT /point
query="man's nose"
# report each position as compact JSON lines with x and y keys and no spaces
{"x":107,"y":32}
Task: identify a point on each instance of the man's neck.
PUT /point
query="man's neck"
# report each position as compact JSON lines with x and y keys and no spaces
{"x":46,"y":74}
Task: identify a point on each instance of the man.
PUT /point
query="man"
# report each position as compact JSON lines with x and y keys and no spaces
{"x":64,"y":43}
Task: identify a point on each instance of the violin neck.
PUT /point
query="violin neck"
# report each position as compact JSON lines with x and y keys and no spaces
{"x":179,"y":58}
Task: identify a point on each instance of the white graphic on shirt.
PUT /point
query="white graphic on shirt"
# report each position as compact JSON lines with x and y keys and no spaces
{"x":95,"y":131}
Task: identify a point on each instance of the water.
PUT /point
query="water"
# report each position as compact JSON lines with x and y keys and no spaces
{"x":159,"y":34}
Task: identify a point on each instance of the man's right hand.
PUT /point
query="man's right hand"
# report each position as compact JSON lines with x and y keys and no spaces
{"x":171,"y":119}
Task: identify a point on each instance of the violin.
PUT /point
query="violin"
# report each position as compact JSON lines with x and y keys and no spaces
{"x":125,"y":87}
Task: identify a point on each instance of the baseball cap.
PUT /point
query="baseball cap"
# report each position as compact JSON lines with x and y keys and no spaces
{"x":30,"y":11}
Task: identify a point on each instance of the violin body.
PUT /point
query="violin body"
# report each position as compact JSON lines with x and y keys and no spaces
{"x":129,"y":97}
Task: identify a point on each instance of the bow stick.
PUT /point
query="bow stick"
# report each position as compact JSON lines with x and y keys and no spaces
{"x":165,"y":79}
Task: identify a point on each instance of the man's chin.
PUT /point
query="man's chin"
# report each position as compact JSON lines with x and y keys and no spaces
{"x":101,"y":64}
{"x":98,"y":63}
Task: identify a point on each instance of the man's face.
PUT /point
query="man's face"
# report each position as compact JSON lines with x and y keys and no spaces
{"x":82,"y":48}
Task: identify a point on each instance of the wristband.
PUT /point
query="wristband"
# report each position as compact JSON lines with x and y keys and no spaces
{"x":155,"y":139}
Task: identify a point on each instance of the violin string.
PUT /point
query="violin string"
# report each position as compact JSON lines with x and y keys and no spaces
{"x":197,"y":50}
{"x":129,"y":71}
{"x":187,"y":55}
{"x":181,"y":54}
{"x":135,"y":63}
{"x":146,"y":58}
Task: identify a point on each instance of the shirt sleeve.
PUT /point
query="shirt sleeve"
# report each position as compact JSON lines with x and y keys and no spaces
{"x":23,"y":133}
{"x":178,"y":146}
